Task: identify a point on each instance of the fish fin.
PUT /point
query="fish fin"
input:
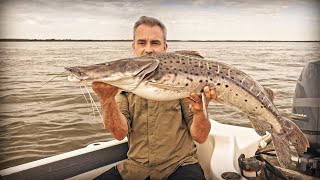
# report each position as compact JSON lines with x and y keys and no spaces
{"x":260,"y":126}
{"x":195,"y":54}
{"x":204,"y":107}
{"x":130,"y":84}
{"x":166,"y":86}
{"x":126,"y":84}
{"x":281,"y":145}
{"x":270,"y":93}
{"x":295,"y":136}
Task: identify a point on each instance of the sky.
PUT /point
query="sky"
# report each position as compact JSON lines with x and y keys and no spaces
{"x":284,"y":20}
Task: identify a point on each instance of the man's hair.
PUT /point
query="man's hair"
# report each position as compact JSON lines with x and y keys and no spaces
{"x":150,"y":21}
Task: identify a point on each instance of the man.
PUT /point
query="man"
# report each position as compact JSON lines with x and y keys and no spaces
{"x":161,"y":135}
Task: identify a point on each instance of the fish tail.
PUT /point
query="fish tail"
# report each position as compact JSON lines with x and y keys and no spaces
{"x":281,"y":145}
{"x":292,"y":134}
{"x":295,"y":136}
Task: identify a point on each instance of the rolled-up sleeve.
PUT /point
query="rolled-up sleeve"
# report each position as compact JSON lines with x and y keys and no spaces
{"x":123,"y":104}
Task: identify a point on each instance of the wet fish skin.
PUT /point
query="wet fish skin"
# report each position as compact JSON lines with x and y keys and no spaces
{"x":175,"y":75}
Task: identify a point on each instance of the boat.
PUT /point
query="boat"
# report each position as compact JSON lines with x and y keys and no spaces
{"x":218,"y":155}
{"x":230,"y":152}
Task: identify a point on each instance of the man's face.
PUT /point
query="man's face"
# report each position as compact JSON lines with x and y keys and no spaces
{"x":148,"y":40}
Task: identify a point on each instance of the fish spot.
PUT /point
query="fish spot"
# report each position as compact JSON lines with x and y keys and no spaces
{"x":201,"y":66}
{"x":187,"y":84}
{"x":207,"y":80}
{"x":227,"y":86}
{"x":210,"y":79}
{"x":246,"y":100}
{"x":261,"y":106}
{"x":236,"y":94}
{"x":200,"y":81}
{"x":218,"y":84}
{"x":167,"y":68}
{"x":209,"y":73}
{"x":183,"y":63}
{"x":171,"y":61}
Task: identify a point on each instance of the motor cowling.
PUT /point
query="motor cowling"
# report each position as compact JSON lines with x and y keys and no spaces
{"x":306,"y":114}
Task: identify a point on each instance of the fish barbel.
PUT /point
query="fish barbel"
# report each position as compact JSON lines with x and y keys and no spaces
{"x":175,"y":75}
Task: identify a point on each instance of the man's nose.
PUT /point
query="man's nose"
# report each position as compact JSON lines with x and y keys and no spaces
{"x":148,"y":49}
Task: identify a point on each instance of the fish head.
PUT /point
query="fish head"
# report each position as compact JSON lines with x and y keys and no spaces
{"x":123,"y":73}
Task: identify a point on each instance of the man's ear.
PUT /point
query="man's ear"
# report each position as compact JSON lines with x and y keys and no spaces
{"x":165,"y":47}
{"x":132,"y":45}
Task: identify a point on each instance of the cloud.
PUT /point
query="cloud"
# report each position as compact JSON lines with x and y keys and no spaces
{"x":113,"y":19}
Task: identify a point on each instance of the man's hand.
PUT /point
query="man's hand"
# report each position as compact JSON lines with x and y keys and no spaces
{"x":196,"y":101}
{"x":200,"y":126}
{"x":104,"y":91}
{"x":113,"y":119}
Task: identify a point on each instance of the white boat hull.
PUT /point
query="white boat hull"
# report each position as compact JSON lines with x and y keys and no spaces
{"x":217,"y":155}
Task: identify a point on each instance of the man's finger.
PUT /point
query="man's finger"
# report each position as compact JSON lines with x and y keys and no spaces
{"x":213,"y":94}
{"x":189,"y":101}
{"x":195,"y":97}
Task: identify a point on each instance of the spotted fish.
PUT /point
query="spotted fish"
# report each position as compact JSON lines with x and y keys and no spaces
{"x":169,"y":76}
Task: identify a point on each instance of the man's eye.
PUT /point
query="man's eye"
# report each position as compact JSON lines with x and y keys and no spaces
{"x":140,"y":42}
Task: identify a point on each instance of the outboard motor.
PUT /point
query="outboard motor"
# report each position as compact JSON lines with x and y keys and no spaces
{"x":306,"y":114}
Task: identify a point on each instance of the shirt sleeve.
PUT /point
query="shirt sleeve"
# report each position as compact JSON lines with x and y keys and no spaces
{"x":187,"y":113}
{"x":123,"y":104}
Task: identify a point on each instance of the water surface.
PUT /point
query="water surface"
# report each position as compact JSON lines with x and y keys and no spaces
{"x":39,"y":122}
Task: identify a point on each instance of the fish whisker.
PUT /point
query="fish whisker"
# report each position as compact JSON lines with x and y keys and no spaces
{"x":86,"y":87}
{"x":85,"y":97}
{"x":91,"y":100}
{"x":53,"y":78}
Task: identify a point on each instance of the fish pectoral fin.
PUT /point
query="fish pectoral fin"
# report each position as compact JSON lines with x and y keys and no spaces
{"x":126,"y":84}
{"x":166,"y":86}
{"x":260,"y":126}
{"x":194,"y":54}
{"x":281,"y":145}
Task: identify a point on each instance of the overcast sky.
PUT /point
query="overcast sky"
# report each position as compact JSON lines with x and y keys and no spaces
{"x":185,"y":19}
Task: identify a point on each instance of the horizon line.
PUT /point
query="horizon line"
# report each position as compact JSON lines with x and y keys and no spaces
{"x":171,"y":40}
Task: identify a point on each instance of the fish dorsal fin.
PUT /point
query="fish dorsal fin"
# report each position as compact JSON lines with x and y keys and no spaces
{"x":166,"y":86}
{"x":260,"y":126}
{"x":270,"y":93}
{"x":195,"y":54}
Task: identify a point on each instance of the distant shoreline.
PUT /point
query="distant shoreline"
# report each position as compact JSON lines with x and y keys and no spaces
{"x":128,"y":40}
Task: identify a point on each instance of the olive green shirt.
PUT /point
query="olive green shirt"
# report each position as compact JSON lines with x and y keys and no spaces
{"x":158,"y":136}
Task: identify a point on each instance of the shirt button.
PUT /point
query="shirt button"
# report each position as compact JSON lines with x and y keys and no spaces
{"x":152,"y":152}
{"x":151,"y":133}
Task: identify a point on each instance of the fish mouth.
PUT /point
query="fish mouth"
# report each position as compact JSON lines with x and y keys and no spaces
{"x":75,"y":75}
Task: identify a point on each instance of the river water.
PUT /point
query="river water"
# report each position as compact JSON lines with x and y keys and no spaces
{"x":39,"y":121}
